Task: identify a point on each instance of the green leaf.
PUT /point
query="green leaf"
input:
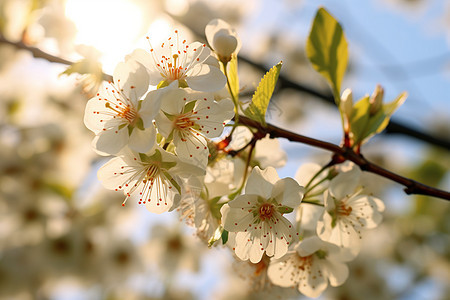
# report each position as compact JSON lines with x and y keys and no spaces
{"x":220,"y":233}
{"x":327,"y":51}
{"x":389,"y":109}
{"x":224,"y":236}
{"x":260,"y":101}
{"x":359,"y":119}
{"x":233,"y":77}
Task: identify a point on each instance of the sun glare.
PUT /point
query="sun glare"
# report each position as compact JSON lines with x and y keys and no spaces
{"x":112,"y":26}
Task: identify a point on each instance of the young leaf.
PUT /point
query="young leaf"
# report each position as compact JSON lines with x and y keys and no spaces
{"x":260,"y":101}
{"x":327,"y":51}
{"x":233,"y":77}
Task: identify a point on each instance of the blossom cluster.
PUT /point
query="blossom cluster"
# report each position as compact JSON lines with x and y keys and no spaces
{"x":164,"y":120}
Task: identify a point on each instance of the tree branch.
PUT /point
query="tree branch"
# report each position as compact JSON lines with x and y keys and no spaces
{"x":411,"y":186}
{"x":344,"y":153}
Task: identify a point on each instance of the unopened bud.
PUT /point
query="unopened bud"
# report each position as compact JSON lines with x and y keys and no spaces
{"x":224,"y":44}
{"x":223,"y":39}
{"x":346,"y":104}
{"x":376,"y":100}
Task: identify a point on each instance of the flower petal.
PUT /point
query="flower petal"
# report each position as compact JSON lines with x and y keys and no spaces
{"x":203,"y":77}
{"x":142,"y":140}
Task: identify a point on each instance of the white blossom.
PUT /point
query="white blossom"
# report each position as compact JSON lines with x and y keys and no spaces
{"x":118,"y":116}
{"x":174,"y":60}
{"x":153,"y":178}
{"x":348,"y":211}
{"x":190,"y":118}
{"x":309,"y":267}
{"x":257,"y":216}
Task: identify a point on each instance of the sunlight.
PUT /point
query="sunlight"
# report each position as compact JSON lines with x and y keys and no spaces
{"x":112,"y":27}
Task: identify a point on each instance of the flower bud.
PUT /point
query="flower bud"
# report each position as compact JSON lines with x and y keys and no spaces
{"x":223,"y":39}
{"x":376,"y":100}
{"x":346,"y":105}
{"x":224,"y":44}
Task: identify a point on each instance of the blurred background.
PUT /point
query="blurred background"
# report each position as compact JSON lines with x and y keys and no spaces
{"x":63,"y":236}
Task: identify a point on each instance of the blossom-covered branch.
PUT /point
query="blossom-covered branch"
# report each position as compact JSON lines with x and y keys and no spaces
{"x":340,"y":153}
{"x":343,"y":153}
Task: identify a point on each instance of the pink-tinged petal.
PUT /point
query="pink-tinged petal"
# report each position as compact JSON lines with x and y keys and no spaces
{"x":205,"y":78}
{"x":287,"y":192}
{"x":336,"y":272}
{"x":260,"y":182}
{"x":142,"y":140}
{"x":345,"y":184}
{"x":112,"y":140}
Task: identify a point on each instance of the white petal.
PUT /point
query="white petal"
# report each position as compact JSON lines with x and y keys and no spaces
{"x":132,"y":78}
{"x":345,"y":184}
{"x":282,"y":272}
{"x":142,"y":140}
{"x":191,"y":148}
{"x":145,"y":58}
{"x":150,"y":107}
{"x":116,"y":173}
{"x":94,"y":118}
{"x":315,"y":284}
{"x":287,"y":192}
{"x":336,"y":272}
{"x":112,"y":141}
{"x":260,"y":182}
{"x":309,"y":245}
{"x":205,"y":78}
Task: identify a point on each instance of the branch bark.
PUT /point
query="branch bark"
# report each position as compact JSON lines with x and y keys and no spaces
{"x":344,"y":153}
{"x":411,"y":186}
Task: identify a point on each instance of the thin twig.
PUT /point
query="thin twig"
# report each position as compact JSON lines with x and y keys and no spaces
{"x":344,"y":153}
{"x":411,"y":186}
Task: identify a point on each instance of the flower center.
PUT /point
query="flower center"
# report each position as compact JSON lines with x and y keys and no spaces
{"x":122,"y":111}
{"x":266,"y":211}
{"x":343,"y":210}
{"x":175,"y":63}
{"x":305,"y":262}
{"x":183,"y":122}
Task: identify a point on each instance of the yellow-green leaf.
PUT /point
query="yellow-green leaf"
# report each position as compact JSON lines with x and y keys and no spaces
{"x":260,"y":100}
{"x":327,"y":51}
{"x":84,"y":66}
{"x":233,"y":77}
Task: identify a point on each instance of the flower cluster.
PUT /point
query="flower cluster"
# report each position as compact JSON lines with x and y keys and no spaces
{"x":162,"y":118}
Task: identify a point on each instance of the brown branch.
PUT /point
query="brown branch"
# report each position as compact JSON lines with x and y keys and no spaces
{"x":344,"y":153}
{"x":38,"y":53}
{"x":411,"y":186}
